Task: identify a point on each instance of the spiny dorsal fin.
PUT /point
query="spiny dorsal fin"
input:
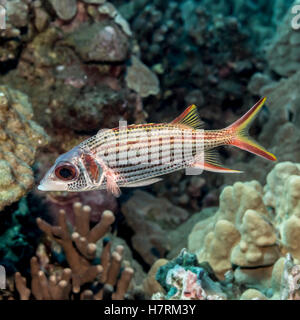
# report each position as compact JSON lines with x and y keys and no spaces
{"x":190,"y":118}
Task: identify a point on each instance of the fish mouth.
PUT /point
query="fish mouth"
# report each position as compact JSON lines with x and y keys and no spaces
{"x":52,"y":187}
{"x":42,"y":188}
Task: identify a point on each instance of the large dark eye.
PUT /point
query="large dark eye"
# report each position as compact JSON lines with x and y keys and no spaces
{"x":66,"y":171}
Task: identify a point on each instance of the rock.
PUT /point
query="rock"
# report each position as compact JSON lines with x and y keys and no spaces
{"x":94,"y":1}
{"x":141,"y":79}
{"x":65,"y":9}
{"x":283,"y":51}
{"x":178,"y":238}
{"x":281,"y":122}
{"x":17,"y":13}
{"x":155,"y":217}
{"x":42,"y":19}
{"x":101,"y":41}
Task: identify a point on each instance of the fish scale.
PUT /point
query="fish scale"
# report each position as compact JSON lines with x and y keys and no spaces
{"x":158,"y":147}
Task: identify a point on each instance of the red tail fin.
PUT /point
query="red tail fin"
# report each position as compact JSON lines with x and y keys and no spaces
{"x":241,"y":138}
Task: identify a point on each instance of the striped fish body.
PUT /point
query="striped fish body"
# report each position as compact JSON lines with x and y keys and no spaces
{"x":142,"y":152}
{"x":136,"y":155}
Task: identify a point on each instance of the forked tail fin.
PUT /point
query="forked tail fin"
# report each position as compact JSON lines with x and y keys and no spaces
{"x":241,"y":137}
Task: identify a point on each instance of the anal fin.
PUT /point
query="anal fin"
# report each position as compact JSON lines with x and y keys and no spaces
{"x":215,"y":168}
{"x":211,"y":163}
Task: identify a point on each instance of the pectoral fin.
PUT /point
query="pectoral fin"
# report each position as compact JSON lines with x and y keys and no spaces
{"x":142,"y":183}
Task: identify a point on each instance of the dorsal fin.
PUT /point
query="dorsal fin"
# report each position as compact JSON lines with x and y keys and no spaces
{"x":190,"y":118}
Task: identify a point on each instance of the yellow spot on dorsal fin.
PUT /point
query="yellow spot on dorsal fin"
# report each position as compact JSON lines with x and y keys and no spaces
{"x":190,"y":118}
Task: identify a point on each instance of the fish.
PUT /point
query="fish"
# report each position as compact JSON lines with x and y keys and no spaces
{"x":138,"y":155}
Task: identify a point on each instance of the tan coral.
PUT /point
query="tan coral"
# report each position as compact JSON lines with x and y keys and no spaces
{"x":257,"y":246}
{"x":253,"y":294}
{"x":253,"y":227}
{"x":218,"y":235}
{"x":20,"y":137}
{"x":56,"y":287}
{"x":80,"y":249}
{"x":150,"y":284}
{"x":218,"y":245}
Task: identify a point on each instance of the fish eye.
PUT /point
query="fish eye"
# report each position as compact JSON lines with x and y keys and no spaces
{"x":66,"y":171}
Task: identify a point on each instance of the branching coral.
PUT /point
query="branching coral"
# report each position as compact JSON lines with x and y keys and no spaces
{"x":106,"y":276}
{"x":56,"y":287}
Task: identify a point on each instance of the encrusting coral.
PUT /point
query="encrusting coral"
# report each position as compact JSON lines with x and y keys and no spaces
{"x":106,"y":276}
{"x":20,"y":137}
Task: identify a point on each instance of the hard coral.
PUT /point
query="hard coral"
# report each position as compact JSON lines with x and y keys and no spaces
{"x":252,"y":228}
{"x":81,"y":254}
{"x":20,"y":137}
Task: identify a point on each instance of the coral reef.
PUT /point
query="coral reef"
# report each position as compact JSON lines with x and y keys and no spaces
{"x":20,"y":138}
{"x":72,"y":67}
{"x":81,"y":79}
{"x":181,"y":36}
{"x":80,"y":250}
{"x":185,"y":279}
{"x":252,"y":228}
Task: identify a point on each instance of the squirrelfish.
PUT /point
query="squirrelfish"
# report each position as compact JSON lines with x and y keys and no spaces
{"x":136,"y":155}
